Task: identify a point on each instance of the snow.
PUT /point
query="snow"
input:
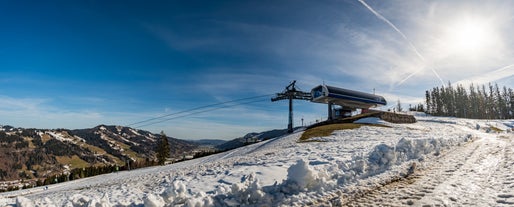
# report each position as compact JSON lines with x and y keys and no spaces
{"x":440,"y":152}
{"x":60,"y":137}
{"x":126,"y":140}
{"x":371,"y":120}
{"x":135,"y":132}
{"x":23,"y":202}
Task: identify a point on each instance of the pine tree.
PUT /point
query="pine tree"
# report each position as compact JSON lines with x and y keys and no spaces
{"x":163,"y":149}
{"x":511,"y":100}
{"x":484,"y":104}
{"x":506,"y":102}
{"x":480,"y":103}
{"x":429,"y":102}
{"x":449,"y":101}
{"x":474,"y":103}
{"x":439,"y":102}
{"x":420,"y":108}
{"x":399,"y":106}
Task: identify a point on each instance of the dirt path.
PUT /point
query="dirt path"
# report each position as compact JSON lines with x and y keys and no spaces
{"x":479,"y":173}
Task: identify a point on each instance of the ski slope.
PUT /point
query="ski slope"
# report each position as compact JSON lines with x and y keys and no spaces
{"x":444,"y":161}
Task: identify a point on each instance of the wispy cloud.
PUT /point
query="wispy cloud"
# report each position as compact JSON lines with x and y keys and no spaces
{"x":392,"y":100}
{"x":489,"y":77}
{"x":21,"y":104}
{"x":246,"y":81}
{"x":394,"y":27}
{"x":406,"y":39}
{"x":177,"y":41}
{"x":41,"y":113}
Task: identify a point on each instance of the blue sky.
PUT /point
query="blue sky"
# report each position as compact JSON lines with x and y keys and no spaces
{"x":78,"y":64}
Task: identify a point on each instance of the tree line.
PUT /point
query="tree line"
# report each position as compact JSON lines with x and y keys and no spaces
{"x":477,"y":102}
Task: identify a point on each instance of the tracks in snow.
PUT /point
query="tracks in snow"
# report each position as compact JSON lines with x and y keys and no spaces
{"x":475,"y":174}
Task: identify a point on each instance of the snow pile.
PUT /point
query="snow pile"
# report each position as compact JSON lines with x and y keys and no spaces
{"x":301,"y":177}
{"x":248,"y":192}
{"x":24,"y":202}
{"x":176,"y":195}
{"x":270,"y":173}
{"x":151,"y":200}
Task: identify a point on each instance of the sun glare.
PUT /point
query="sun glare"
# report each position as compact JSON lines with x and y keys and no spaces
{"x":468,"y":36}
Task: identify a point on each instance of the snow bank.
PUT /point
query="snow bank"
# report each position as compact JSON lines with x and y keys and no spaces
{"x":280,"y":172}
{"x":24,"y":202}
{"x":301,"y":177}
{"x":151,"y":200}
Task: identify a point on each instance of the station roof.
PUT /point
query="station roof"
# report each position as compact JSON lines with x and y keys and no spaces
{"x":345,"y":97}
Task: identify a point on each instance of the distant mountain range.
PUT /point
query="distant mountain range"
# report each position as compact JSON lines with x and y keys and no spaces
{"x":251,"y":138}
{"x":38,"y":153}
{"x":209,"y":142}
{"x":28,"y":154}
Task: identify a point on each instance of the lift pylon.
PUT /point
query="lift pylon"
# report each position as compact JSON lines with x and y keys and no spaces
{"x":291,"y":93}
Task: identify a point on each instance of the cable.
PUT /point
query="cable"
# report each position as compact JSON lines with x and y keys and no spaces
{"x":198,"y":112}
{"x":198,"y":108}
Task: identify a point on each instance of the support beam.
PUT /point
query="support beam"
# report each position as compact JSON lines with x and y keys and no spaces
{"x":291,"y":93}
{"x":330,"y":111}
{"x":290,"y":124}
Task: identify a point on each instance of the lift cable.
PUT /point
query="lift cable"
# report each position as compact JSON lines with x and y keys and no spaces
{"x":198,"y":108}
{"x":195,"y":111}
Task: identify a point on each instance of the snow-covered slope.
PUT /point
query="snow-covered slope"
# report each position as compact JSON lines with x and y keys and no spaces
{"x":332,"y":170}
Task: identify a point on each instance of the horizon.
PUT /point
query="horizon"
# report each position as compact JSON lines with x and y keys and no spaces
{"x":81,"y":64}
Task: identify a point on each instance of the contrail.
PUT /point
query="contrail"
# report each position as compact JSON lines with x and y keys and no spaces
{"x":504,"y":68}
{"x":404,"y":37}
{"x":407,"y":78}
{"x":490,"y":76}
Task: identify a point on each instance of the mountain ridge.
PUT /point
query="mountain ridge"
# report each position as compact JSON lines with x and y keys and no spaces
{"x":29,"y":153}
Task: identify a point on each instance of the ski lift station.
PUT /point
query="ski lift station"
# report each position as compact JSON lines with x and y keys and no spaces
{"x":341,"y":102}
{"x":347,"y":100}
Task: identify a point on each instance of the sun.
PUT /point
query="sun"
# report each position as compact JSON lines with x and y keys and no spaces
{"x":468,"y":36}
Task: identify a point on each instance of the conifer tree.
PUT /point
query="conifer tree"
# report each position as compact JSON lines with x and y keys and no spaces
{"x":511,"y":103}
{"x":399,"y":106}
{"x":163,"y":149}
{"x":428,"y":101}
{"x":480,"y":103}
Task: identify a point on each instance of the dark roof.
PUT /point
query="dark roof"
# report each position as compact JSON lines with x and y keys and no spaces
{"x":348,"y":98}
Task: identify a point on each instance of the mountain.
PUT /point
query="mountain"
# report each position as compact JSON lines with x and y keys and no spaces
{"x":251,"y":138}
{"x":39,"y":153}
{"x":209,"y":142}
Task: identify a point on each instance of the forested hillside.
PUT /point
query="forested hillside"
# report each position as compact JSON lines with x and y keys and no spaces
{"x":34,"y":154}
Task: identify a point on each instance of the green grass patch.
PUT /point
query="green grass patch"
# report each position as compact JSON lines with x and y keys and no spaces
{"x":308,"y":140}
{"x":74,"y":161}
{"x":94,"y":149}
{"x":128,"y":151}
{"x":496,"y":129}
{"x":45,"y":138}
{"x":326,"y":130}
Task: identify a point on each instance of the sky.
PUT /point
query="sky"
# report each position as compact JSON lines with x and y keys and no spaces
{"x":78,"y":64}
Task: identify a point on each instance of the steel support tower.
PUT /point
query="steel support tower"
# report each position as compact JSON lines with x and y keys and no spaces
{"x":291,"y":93}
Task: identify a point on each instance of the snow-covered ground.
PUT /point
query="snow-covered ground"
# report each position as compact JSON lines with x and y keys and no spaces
{"x":443,"y":161}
